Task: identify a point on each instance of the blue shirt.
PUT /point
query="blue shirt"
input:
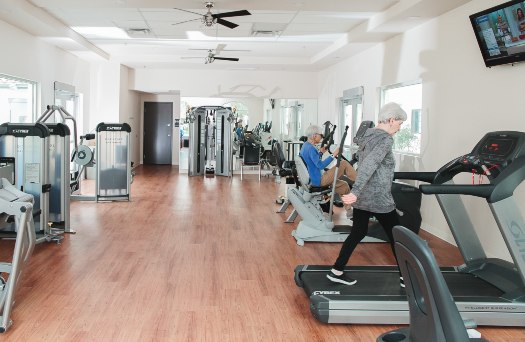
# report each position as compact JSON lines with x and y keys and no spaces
{"x":238,"y":132}
{"x":312,"y":158}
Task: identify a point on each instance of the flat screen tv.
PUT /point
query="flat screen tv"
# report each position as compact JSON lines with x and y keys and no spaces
{"x":500,"y":32}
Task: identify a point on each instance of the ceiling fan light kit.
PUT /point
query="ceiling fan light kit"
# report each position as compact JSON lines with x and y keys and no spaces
{"x":209,"y":19}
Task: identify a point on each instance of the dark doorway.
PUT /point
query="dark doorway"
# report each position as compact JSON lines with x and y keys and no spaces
{"x":158,"y":130}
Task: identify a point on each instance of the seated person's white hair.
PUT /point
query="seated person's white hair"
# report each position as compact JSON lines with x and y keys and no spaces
{"x":312,"y":130}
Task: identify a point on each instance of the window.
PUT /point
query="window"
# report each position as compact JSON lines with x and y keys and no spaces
{"x":351,"y":116}
{"x":17,"y":100}
{"x":241,"y":112}
{"x":352,"y":113}
{"x":415,"y":124}
{"x":409,"y":96}
{"x":291,"y":120}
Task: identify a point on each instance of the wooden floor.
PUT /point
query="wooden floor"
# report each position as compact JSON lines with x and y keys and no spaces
{"x":188,"y":259}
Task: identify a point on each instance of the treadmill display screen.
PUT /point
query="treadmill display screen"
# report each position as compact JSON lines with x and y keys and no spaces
{"x":497,"y":147}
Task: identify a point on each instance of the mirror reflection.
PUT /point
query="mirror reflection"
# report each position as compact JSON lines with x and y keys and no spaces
{"x":255,"y":120}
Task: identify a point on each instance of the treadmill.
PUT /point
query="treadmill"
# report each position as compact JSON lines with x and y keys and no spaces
{"x":488,"y":291}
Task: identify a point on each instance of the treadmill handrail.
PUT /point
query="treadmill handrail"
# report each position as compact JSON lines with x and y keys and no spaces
{"x":419,"y":176}
{"x":483,"y":190}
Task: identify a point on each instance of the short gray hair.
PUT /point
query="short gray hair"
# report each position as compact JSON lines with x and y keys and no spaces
{"x":391,"y":110}
{"x":312,"y":130}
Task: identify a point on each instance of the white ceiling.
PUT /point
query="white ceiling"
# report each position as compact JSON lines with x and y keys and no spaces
{"x":310,"y":34}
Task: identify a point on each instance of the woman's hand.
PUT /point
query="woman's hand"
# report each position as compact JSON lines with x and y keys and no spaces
{"x":349,"y":198}
{"x":336,"y":152}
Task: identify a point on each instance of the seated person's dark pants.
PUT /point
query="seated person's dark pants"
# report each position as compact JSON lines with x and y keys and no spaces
{"x":359,"y":231}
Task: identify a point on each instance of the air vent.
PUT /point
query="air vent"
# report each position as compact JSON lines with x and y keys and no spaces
{"x":265,"y":33}
{"x":267,"y":29}
{"x":138,"y":32}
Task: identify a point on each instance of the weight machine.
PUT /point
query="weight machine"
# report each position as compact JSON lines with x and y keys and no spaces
{"x":60,"y":172}
{"x":113,"y":162}
{"x":113,"y":172}
{"x":28,"y":145}
{"x":210,"y":150}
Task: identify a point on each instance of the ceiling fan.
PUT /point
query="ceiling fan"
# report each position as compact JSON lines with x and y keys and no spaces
{"x":209,"y":19}
{"x":211,"y":58}
{"x":212,"y":54}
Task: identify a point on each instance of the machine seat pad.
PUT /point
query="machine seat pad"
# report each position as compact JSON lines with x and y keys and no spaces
{"x":319,"y":188}
{"x":288,"y":165}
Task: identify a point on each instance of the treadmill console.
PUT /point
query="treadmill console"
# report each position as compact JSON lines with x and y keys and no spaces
{"x":491,"y":155}
{"x":498,"y":150}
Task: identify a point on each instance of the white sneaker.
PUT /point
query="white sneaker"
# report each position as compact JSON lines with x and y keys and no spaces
{"x":341,"y":279}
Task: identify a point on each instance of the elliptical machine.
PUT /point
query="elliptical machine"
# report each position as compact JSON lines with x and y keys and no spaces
{"x":307,"y":200}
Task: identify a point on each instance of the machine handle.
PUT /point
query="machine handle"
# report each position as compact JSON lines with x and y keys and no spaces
{"x":483,"y":190}
{"x":419,"y":176}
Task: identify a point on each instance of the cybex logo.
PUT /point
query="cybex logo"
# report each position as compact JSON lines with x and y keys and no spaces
{"x":326,"y":293}
{"x":114,"y":128}
{"x":23,"y":131}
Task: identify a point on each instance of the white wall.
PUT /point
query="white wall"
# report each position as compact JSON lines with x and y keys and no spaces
{"x":129,"y":112}
{"x":227,"y":83}
{"x":462,"y":100}
{"x":105,"y":93}
{"x":31,"y":58}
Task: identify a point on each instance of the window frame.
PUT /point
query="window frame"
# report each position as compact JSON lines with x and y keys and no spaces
{"x":351,"y":97}
{"x":410,"y":111}
{"x":35,"y":91}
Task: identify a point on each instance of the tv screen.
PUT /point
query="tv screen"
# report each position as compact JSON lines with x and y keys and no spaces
{"x":500,"y":32}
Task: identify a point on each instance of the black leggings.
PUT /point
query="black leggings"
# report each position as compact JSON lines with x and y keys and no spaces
{"x":359,"y":231}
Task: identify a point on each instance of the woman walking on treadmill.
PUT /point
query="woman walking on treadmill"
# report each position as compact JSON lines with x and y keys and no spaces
{"x":371,"y":194}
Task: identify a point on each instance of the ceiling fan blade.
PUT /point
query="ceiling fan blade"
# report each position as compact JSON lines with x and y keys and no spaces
{"x":226,"y":23}
{"x":219,"y":48}
{"x":180,"y":9}
{"x":231,"y":14}
{"x":227,"y":59}
{"x":187,"y":21}
{"x":183,"y":57}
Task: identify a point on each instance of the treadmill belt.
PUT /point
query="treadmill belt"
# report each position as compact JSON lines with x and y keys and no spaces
{"x":368,"y":283}
{"x":385,"y":285}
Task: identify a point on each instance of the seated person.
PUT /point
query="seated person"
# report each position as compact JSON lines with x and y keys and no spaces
{"x":312,"y":157}
{"x":239,"y":131}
